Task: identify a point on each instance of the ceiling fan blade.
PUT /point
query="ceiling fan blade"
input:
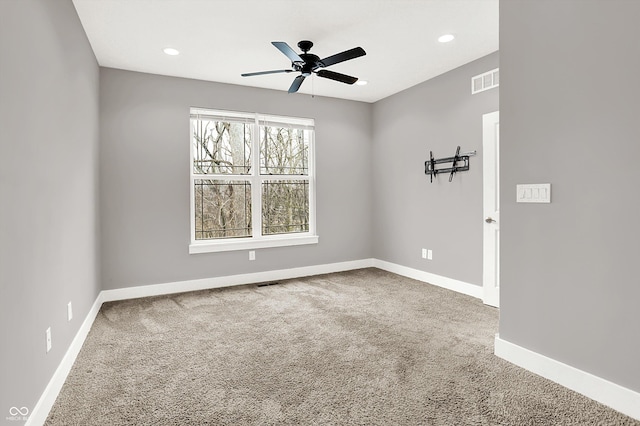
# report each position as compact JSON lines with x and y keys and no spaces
{"x":356,"y":52}
{"x":287,"y":50}
{"x":296,"y":84}
{"x":249,"y":74}
{"x":343,"y":78}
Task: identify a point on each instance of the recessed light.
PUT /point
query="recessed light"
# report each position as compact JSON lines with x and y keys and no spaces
{"x":171,"y":51}
{"x":361,"y":82}
{"x":446,"y":38}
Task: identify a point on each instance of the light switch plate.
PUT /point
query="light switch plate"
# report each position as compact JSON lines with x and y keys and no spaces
{"x":533,"y":193}
{"x":48,"y":338}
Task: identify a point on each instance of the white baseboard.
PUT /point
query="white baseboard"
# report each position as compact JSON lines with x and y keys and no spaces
{"x":438,"y":280}
{"x":615,"y":396}
{"x":231,"y":280}
{"x":48,"y":398}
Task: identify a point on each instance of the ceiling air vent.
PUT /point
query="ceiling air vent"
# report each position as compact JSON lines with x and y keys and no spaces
{"x":486,"y":81}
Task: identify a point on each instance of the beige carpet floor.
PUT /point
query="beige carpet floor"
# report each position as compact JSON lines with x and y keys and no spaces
{"x":363,"y":347}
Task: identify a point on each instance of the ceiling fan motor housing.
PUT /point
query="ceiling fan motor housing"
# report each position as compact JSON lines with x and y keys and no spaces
{"x":309,"y":65}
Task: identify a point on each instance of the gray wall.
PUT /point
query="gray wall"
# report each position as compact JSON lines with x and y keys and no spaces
{"x":48,"y":182}
{"x":569,"y":116}
{"x":410,"y":213}
{"x":144,"y":178}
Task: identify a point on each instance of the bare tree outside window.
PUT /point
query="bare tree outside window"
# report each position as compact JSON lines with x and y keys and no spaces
{"x":283,"y":151}
{"x":228,"y":182}
{"x":285,"y":204}
{"x":221,"y":147}
{"x":222,"y":207}
{"x":285,"y":207}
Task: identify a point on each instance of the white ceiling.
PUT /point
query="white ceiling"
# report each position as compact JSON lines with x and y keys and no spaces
{"x":220,"y":39}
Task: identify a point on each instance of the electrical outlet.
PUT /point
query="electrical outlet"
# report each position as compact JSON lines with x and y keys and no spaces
{"x":424,"y":253}
{"x":48,"y":335}
{"x":429,"y":255}
{"x":252,"y":255}
{"x":69,"y":312}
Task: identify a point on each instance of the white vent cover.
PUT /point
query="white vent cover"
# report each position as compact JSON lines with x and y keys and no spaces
{"x":486,"y":81}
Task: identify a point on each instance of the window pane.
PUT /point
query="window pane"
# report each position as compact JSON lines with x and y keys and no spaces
{"x":221,"y":147}
{"x":222,"y":209}
{"x":284,"y":151}
{"x":285,"y":207}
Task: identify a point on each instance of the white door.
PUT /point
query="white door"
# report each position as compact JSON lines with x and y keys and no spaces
{"x":491,"y":208}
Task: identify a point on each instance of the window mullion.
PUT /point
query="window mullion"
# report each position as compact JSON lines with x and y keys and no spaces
{"x":192,"y":183}
{"x":256,"y":186}
{"x":311,"y":171}
{"x":285,"y":177}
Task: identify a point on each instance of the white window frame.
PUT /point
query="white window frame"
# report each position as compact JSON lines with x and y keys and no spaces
{"x":257,"y":240}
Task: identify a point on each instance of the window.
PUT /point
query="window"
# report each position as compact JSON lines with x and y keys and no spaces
{"x":252,"y":181}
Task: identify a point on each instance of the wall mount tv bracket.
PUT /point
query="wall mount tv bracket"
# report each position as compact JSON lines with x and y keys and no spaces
{"x":430,"y":165}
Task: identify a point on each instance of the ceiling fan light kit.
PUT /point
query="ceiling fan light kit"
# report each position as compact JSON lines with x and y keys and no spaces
{"x":307,"y":63}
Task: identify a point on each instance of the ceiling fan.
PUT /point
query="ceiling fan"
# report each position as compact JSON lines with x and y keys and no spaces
{"x":306,"y":63}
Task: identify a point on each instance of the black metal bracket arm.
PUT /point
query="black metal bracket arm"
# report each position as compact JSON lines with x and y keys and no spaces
{"x":430,"y":165}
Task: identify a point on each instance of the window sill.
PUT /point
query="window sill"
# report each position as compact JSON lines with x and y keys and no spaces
{"x":250,"y":244}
